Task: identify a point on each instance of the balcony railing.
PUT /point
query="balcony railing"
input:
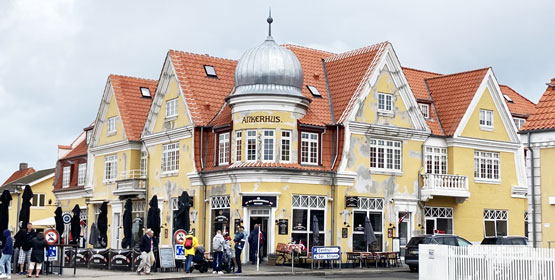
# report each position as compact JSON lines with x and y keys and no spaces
{"x":445,"y":185}
{"x":131,"y":182}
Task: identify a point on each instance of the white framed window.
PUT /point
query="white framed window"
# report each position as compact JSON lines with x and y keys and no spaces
{"x":171,"y":108}
{"x":111,"y":125}
{"x":305,"y":209}
{"x":436,"y":160}
{"x":309,"y":148}
{"x":81,"y":173}
{"x":285,"y":145}
{"x":519,"y":122}
{"x":439,"y":220}
{"x":170,"y":157}
{"x":385,"y":155}
{"x":38,"y":200}
{"x":223,"y":148}
{"x":66,"y":174}
{"x":143,"y":164}
{"x":425,"y":109}
{"x":486,"y":119}
{"x":486,"y":165}
{"x":238,"y":145}
{"x":110,"y":167}
{"x":496,"y":223}
{"x":220,"y":212}
{"x":373,"y":209}
{"x":268,"y":137}
{"x":385,"y":102}
{"x":251,"y":145}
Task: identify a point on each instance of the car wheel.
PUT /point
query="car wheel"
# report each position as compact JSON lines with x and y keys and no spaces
{"x":413,"y":268}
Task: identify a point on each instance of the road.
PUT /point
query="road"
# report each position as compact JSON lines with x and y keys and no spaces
{"x":380,"y":275}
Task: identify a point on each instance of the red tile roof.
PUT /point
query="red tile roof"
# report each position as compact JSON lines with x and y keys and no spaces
{"x":452,"y":95}
{"x":543,"y":116}
{"x":132,"y":106}
{"x":19,"y":174}
{"x":520,"y":105}
{"x":204,"y":95}
{"x":79,"y":150}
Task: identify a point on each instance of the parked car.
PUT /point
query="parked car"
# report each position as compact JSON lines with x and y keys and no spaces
{"x":411,"y":252}
{"x":505,"y":240}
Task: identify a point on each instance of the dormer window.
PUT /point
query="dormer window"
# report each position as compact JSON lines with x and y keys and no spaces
{"x":65,"y":176}
{"x":223,"y":149}
{"x":210,"y":71}
{"x":385,"y":102}
{"x":314,"y":91}
{"x":145,"y":92}
{"x":309,"y":148}
{"x":425,"y":109}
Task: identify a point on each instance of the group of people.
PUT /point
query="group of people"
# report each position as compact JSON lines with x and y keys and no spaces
{"x":31,"y":252}
{"x":221,"y":248}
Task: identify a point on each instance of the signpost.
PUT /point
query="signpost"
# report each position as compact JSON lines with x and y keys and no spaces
{"x":326,"y":253}
{"x":179,"y":252}
{"x":179,"y":236}
{"x":52,"y":254}
{"x":51,"y":236}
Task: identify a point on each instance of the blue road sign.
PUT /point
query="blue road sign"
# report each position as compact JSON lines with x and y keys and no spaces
{"x":326,"y":252}
{"x":179,"y":252}
{"x":52,"y":253}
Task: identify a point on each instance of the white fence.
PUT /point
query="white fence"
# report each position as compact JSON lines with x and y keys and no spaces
{"x":486,"y":263}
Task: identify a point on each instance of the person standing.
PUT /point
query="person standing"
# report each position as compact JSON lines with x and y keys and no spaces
{"x":239,"y":245}
{"x":254,"y":238}
{"x":146,"y":246}
{"x":7,"y":253}
{"x":37,"y":254}
{"x":218,"y":252}
{"x":24,"y":239}
{"x":190,"y":244}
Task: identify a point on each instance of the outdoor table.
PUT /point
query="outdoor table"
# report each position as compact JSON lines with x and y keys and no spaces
{"x":384,"y":257}
{"x":365,"y":256}
{"x":294,"y":248}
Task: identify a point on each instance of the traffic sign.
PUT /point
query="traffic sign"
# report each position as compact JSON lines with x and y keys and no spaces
{"x":66,"y":217}
{"x":52,"y":253}
{"x":179,"y":252}
{"x":51,"y":235}
{"x":326,"y":252}
{"x":179,"y":236}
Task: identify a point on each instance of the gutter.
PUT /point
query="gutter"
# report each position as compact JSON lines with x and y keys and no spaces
{"x":533,"y":200}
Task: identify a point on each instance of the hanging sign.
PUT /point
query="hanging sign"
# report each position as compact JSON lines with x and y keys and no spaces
{"x":179,"y":236}
{"x":51,"y":236}
{"x":326,"y":253}
{"x":283,"y":226}
{"x":66,"y":217}
{"x":258,"y":201}
{"x":351,"y":201}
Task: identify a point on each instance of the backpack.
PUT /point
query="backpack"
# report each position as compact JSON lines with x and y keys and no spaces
{"x":217,"y":245}
{"x":188,"y":243}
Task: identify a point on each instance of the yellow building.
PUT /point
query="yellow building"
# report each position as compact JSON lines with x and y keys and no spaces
{"x":538,"y":135}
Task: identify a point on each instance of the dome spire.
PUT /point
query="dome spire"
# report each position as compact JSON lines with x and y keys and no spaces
{"x":270,"y":20}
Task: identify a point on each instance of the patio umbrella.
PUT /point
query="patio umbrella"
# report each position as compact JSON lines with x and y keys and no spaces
{"x":25,"y":212}
{"x":60,"y":227}
{"x":75,"y":225}
{"x":182,"y":217}
{"x":153,"y":219}
{"x":4,"y":212}
{"x":369,"y":235}
{"x":127,"y":225}
{"x":102,"y":225}
{"x":315,"y":230}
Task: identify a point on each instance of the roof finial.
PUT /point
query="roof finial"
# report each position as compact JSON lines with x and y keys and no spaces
{"x":270,"y":20}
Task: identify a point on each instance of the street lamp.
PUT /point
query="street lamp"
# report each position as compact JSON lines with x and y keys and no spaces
{"x":18,"y":189}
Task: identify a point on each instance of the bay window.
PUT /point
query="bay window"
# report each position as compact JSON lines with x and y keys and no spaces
{"x":238,"y":145}
{"x":285,"y":145}
{"x":268,"y":139}
{"x":251,"y":145}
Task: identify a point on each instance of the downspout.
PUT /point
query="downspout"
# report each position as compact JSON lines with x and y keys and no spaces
{"x":532,"y":182}
{"x":203,"y":153}
{"x":420,"y":202}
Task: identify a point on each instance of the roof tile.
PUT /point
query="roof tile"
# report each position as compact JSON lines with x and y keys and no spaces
{"x":543,"y":116}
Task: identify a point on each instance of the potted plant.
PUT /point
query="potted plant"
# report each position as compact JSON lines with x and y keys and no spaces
{"x":272,"y":259}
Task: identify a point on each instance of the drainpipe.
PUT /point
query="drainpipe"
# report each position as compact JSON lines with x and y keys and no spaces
{"x":203,"y":153}
{"x":420,"y":202}
{"x":532,"y":182}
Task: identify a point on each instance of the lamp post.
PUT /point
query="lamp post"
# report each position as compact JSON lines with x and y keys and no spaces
{"x":18,"y":188}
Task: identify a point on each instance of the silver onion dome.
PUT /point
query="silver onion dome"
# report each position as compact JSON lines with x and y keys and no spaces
{"x":269,"y":69}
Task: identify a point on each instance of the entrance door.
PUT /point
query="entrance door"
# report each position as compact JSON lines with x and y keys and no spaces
{"x":404,"y":231}
{"x":116,"y":229}
{"x":263,"y":224}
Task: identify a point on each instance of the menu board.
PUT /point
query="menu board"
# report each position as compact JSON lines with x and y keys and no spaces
{"x":166,"y":257}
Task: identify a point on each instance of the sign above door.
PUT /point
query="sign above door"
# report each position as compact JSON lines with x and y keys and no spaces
{"x":259,"y":201}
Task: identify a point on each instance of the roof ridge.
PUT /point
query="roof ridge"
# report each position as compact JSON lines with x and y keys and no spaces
{"x":131,"y":77}
{"x":518,"y":94}
{"x":203,"y":55}
{"x":356,"y":51}
{"x":306,"y":48}
{"x":424,"y":71}
{"x":459,"y":73}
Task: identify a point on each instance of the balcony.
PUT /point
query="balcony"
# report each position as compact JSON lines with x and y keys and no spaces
{"x":445,"y":185}
{"x":131,"y":183}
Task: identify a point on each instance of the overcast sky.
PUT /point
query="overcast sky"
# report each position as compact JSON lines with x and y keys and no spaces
{"x":55,"y":56}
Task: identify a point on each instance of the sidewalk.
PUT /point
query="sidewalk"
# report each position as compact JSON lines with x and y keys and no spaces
{"x":248,"y":270}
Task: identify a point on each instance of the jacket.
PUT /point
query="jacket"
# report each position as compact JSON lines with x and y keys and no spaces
{"x":191,"y":251}
{"x":8,"y":243}
{"x":38,"y":245}
{"x":240,"y":240}
{"x":146,"y":243}
{"x":253,"y":239}
{"x":218,"y":243}
{"x":23,"y":239}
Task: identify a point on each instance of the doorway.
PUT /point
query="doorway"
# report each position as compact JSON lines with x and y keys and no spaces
{"x":261,"y":217}
{"x":404,"y":231}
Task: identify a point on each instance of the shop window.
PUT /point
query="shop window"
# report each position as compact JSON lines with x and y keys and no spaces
{"x":223,"y":149}
{"x":309,"y":148}
{"x":110,"y":168}
{"x":137,"y":214}
{"x":170,"y":157}
{"x":82,"y":171}
{"x":305,"y":209}
{"x":495,"y":222}
{"x":171,"y":108}
{"x":385,"y":155}
{"x":251,"y":145}
{"x":439,"y":220}
{"x":238,"y":145}
{"x":373,"y":209}
{"x":268,"y":140}
{"x":486,"y":119}
{"x":385,"y":102}
{"x":436,"y":160}
{"x":220,"y":212}
{"x":486,"y":165}
{"x":285,"y":145}
{"x":65,"y":176}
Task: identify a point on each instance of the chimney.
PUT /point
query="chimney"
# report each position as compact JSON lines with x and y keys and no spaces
{"x":23,"y":166}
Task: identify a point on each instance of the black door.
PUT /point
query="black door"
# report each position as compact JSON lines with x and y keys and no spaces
{"x":263,"y":222}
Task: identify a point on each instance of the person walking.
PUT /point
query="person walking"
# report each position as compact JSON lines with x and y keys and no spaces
{"x":218,"y":252}
{"x":37,"y":255}
{"x":24,"y":239}
{"x":239,"y":240}
{"x":255,"y":237}
{"x":190,"y":244}
{"x":146,"y":248}
{"x":7,"y":253}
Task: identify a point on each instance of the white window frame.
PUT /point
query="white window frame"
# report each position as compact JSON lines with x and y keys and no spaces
{"x":111,"y":125}
{"x":81,"y":173}
{"x":438,"y":158}
{"x":369,"y":206}
{"x":66,"y":175}
{"x":485,"y":158}
{"x":486,"y":119}
{"x":218,"y":203}
{"x":251,"y":138}
{"x":424,"y":109}
{"x":309,"y":202}
{"x":519,"y":122}
{"x":390,"y":149}
{"x":170,"y":158}
{"x":171,"y":108}
{"x":285,"y":152}
{"x":223,"y":148}
{"x":38,"y":196}
{"x":493,"y":215}
{"x":110,"y":168}
{"x":269,"y":145}
{"x":433,"y":213}
{"x":143,"y":164}
{"x":385,"y":102}
{"x":238,"y":145}
{"x":308,"y":144}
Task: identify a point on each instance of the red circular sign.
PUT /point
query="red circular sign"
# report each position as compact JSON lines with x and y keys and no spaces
{"x":179,"y":236}
{"x":51,"y":236}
